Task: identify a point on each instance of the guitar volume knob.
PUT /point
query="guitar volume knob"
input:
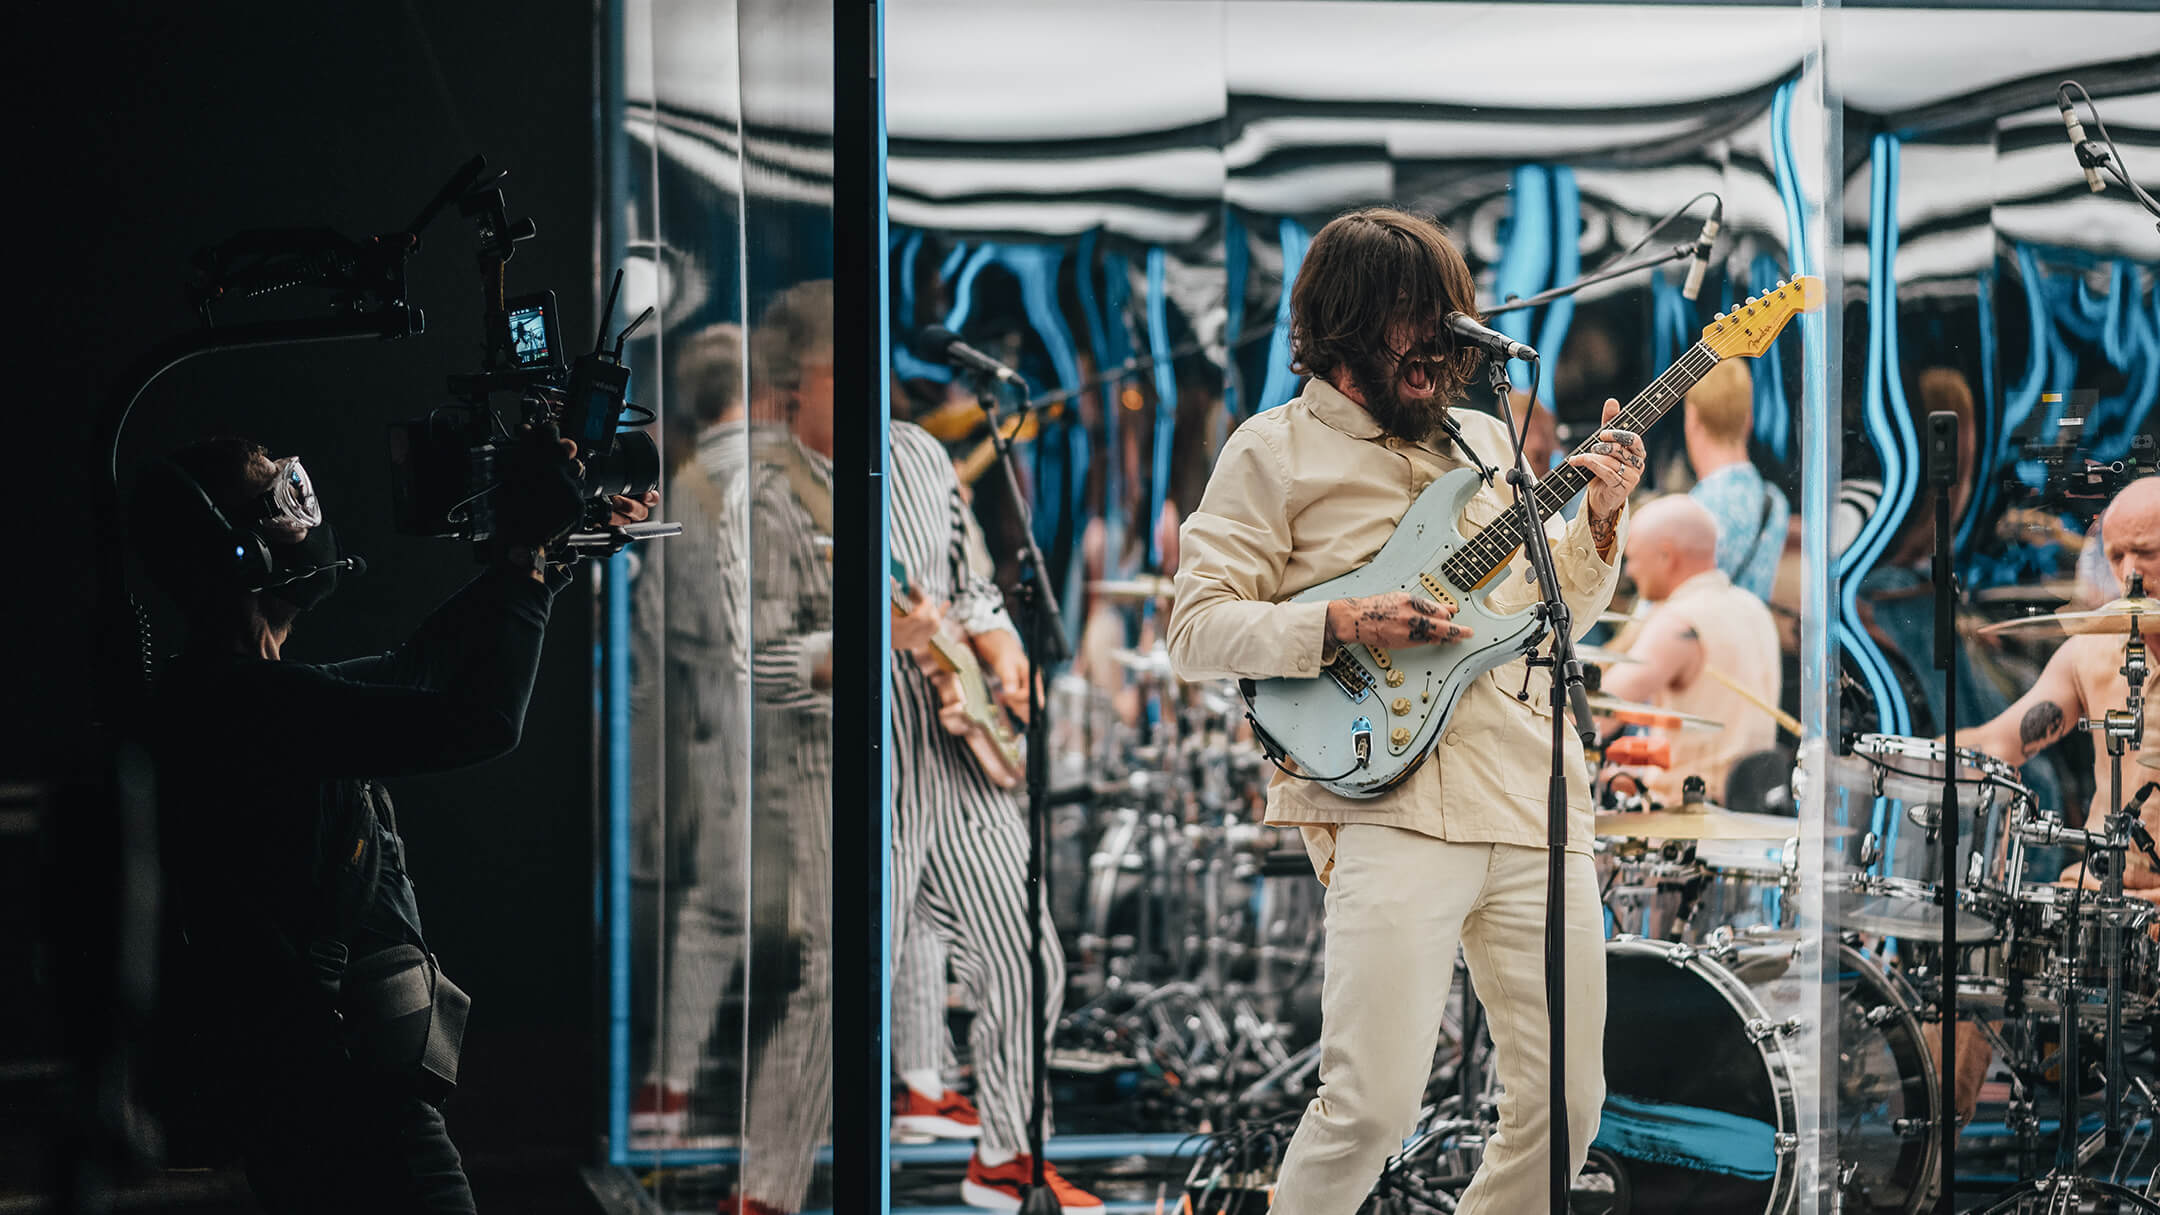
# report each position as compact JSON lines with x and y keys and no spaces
{"x":1400,"y":738}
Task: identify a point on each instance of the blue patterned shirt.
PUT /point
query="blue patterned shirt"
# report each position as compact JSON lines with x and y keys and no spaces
{"x":1734,"y":496}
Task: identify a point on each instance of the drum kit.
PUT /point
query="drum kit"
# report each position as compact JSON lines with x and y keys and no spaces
{"x":1198,"y":934}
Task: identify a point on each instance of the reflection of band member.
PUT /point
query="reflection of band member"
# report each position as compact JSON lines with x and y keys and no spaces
{"x":1702,"y":621}
{"x":1455,"y":853}
{"x":775,"y":537}
{"x":960,"y":842}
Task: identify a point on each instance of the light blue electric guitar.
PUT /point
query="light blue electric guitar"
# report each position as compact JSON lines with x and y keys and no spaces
{"x":1370,"y":718}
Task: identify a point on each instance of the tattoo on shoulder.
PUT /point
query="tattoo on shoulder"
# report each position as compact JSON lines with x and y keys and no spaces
{"x":2042,"y":723}
{"x":1690,"y":635}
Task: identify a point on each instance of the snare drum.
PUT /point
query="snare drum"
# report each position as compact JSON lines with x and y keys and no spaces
{"x":1892,"y":787}
{"x":1688,"y":893}
{"x":2037,"y":939}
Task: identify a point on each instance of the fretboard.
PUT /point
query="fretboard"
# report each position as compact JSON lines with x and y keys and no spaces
{"x":1487,"y":552}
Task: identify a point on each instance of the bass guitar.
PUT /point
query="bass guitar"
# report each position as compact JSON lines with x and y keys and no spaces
{"x":967,"y":707}
{"x":1352,"y":729}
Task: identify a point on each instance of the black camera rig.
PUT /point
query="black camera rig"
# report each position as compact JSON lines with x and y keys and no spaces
{"x":2072,"y":481}
{"x":443,"y":463}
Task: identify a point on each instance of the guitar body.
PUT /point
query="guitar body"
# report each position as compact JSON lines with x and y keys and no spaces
{"x":969,"y":710}
{"x":1315,"y":722}
{"x":967,"y":705}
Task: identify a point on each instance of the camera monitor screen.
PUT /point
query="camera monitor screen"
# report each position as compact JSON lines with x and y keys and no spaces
{"x":534,"y":344}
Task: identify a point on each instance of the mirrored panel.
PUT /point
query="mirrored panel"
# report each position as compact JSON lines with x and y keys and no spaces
{"x":1999,"y":370}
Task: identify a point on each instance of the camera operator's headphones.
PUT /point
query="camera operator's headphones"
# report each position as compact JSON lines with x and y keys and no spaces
{"x":196,"y":548}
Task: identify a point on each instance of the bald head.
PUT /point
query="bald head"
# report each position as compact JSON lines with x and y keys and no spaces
{"x":2130,"y":530}
{"x":1672,"y":539}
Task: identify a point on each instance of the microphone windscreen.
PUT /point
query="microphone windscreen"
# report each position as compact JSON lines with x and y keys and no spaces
{"x":933,"y":341}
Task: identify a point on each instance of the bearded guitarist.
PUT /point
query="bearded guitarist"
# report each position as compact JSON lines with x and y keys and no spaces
{"x":1455,"y":852}
{"x":959,"y":864}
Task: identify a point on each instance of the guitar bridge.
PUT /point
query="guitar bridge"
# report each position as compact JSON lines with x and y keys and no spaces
{"x":1348,"y":675}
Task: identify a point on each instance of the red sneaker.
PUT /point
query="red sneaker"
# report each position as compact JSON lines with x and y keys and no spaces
{"x":950,"y":1116}
{"x":743,"y":1205}
{"x":1000,"y":1189}
{"x":659,"y":1110}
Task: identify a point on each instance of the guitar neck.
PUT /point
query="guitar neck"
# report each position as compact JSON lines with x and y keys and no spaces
{"x":1489,"y":551}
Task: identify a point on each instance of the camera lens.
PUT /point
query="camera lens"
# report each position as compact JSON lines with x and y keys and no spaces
{"x":630,"y":466}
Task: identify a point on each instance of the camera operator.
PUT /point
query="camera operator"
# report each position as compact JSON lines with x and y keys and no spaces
{"x":307,"y":1024}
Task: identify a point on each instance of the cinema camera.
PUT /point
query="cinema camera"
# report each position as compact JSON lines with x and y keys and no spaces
{"x":2071,"y":481}
{"x":443,"y":464}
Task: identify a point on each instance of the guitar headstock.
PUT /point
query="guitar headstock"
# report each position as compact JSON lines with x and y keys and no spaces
{"x":1748,"y":330}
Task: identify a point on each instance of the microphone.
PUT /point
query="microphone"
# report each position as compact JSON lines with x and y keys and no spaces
{"x":2077,"y":142}
{"x":937,"y":344}
{"x":1699,"y":259}
{"x":1488,"y":340}
{"x":354,"y":565}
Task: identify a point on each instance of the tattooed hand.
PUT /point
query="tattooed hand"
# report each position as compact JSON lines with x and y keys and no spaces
{"x":1392,"y":621}
{"x":1615,"y":463}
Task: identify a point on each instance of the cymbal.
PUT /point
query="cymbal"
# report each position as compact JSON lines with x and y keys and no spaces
{"x":1140,"y":586}
{"x":1635,"y":713}
{"x":2115,"y":617}
{"x":1598,"y":653}
{"x":1629,"y":617}
{"x":1708,"y":822}
{"x":2151,"y":759}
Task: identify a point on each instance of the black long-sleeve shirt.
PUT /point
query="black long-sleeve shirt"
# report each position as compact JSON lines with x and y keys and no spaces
{"x":267,"y":769}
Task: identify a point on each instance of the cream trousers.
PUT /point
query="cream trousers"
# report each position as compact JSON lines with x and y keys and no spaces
{"x":1398,"y":903}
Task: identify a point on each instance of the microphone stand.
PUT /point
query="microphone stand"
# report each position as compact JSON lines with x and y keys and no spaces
{"x":1942,"y":472}
{"x":1567,"y":695}
{"x":1045,"y":647}
{"x":1674,"y":253}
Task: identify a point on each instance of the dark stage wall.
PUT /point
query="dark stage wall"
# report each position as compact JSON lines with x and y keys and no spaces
{"x":198,"y":121}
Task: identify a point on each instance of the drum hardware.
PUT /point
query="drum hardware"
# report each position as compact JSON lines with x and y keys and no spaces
{"x":2056,"y":919}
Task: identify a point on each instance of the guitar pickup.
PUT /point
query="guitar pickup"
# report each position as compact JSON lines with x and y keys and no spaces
{"x":1348,"y":675}
{"x":1438,"y":592}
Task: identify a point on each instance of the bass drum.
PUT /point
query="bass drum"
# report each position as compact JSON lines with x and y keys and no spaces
{"x":1886,"y":1092}
{"x":1717,"y":1133}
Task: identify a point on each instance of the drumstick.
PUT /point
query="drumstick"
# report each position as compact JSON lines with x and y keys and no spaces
{"x":1787,"y":720}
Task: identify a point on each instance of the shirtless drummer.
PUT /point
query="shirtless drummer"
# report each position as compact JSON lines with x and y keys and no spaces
{"x":2084,"y":680}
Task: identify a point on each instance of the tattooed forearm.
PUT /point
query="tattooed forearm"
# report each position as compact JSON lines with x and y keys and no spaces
{"x":2043,"y":722}
{"x":1605,"y":530}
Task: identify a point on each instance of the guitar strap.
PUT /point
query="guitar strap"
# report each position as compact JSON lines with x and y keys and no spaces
{"x":1762,"y":526}
{"x":814,"y":494}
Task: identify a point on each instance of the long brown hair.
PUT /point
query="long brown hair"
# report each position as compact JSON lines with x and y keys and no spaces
{"x":1366,"y":270}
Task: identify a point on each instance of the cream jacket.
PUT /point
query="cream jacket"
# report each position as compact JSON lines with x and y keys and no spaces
{"x":1310,"y":491}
